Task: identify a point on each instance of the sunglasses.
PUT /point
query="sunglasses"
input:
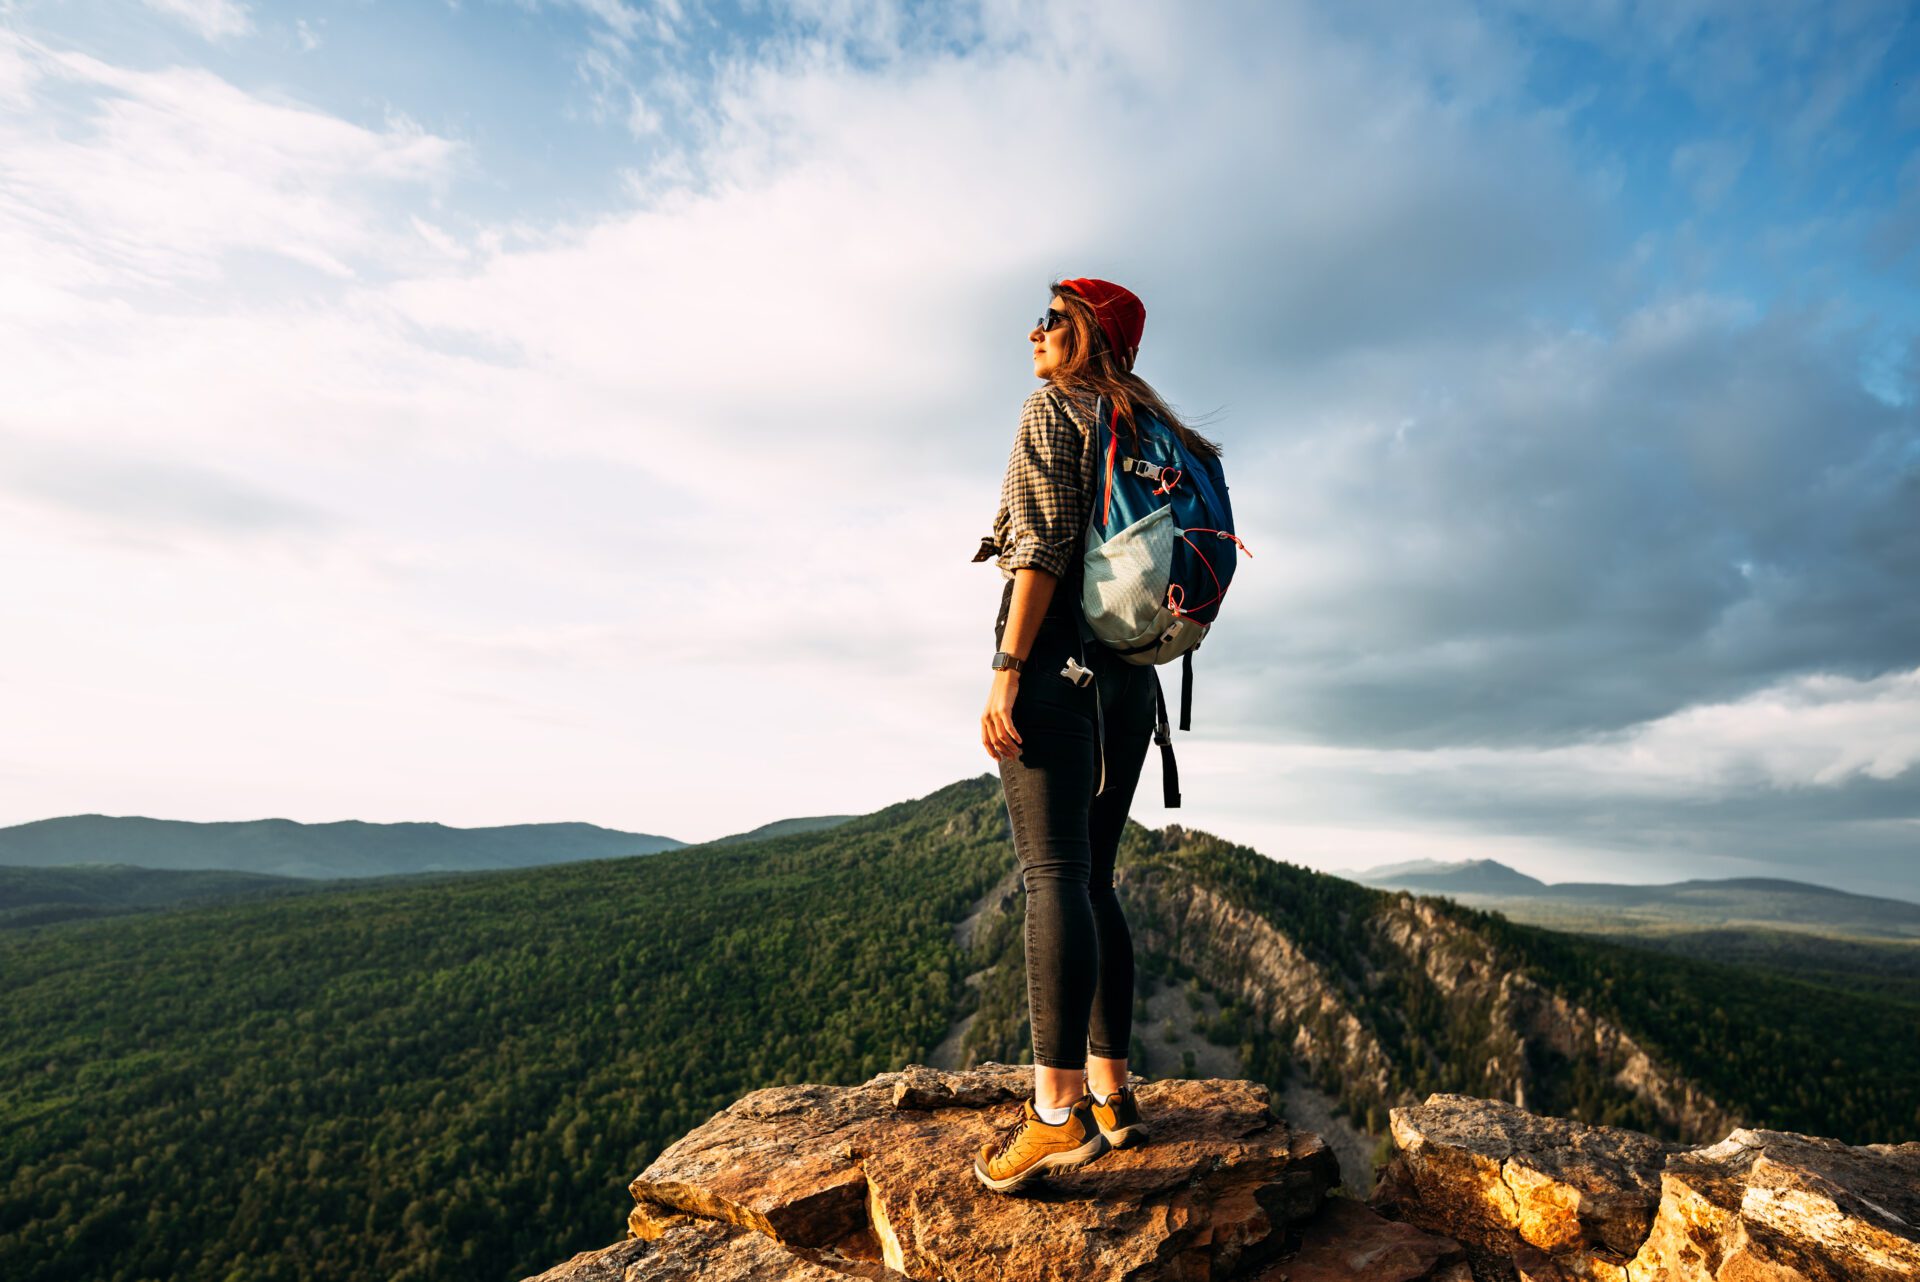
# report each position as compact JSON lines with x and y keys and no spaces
{"x":1050,"y":318}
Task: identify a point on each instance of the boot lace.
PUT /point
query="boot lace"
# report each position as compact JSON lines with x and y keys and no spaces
{"x":1009,"y":1133}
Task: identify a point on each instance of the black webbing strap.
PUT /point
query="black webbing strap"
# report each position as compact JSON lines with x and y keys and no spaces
{"x":1169,"y":772}
{"x":1082,"y":635}
{"x":1186,"y":691}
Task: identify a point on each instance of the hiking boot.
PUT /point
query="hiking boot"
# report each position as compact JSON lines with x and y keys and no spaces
{"x":1027,"y":1146}
{"x":1119,"y":1118}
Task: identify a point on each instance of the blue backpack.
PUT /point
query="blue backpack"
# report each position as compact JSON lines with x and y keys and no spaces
{"x":1160,"y":555}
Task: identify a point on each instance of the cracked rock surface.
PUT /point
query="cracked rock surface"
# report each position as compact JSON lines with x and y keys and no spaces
{"x":814,"y":1183}
{"x":1778,"y":1205}
{"x":876,"y":1180}
{"x":1500,"y":1178}
{"x":1550,"y":1200}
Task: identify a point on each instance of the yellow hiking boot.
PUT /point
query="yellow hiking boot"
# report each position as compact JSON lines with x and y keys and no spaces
{"x":1119,"y":1118}
{"x":1027,"y":1146}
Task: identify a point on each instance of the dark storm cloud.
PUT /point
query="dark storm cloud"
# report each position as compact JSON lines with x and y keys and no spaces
{"x":1591,"y":533}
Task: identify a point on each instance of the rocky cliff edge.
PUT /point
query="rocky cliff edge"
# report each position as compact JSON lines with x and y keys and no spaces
{"x":818,"y":1183}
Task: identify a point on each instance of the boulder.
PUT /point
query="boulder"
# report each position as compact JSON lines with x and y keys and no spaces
{"x":1774,"y":1206}
{"x":1549,"y":1200}
{"x":1500,"y":1179}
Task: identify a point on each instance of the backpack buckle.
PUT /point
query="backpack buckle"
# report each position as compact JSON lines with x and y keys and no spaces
{"x":1075,"y":673}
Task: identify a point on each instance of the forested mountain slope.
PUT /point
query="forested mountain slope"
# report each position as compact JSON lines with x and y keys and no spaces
{"x":783,"y":828}
{"x":457,"y":1079}
{"x":40,"y":896}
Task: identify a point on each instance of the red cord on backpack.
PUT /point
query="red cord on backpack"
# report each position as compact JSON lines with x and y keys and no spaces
{"x":1175,"y":604}
{"x":1201,"y":529}
{"x":1113,"y":447}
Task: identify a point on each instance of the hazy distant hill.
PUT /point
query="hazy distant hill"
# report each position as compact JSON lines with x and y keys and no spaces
{"x":1475,"y":876}
{"x":284,"y":848}
{"x":1735,"y":902}
{"x":784,"y":828}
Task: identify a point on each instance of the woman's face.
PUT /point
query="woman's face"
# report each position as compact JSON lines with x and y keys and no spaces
{"x":1049,"y":345}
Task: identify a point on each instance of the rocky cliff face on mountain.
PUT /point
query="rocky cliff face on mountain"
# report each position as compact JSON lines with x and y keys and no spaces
{"x":874,"y":1181}
{"x":1338,"y":1016}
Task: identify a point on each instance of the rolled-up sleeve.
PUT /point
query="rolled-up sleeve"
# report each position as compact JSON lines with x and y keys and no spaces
{"x":1043,"y":494}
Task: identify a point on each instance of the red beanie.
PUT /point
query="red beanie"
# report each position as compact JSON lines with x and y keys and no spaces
{"x":1121,"y":316}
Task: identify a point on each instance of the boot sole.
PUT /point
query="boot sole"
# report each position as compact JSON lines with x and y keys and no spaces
{"x":1071,"y":1160}
{"x":1126,"y":1136}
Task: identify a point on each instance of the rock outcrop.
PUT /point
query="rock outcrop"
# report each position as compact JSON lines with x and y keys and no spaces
{"x":875,"y":1181}
{"x":1550,"y":1200}
{"x":815,"y":1183}
{"x":1772,"y":1204}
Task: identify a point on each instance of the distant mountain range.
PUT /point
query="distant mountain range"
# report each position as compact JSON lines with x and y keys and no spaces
{"x":285,"y":848}
{"x":83,"y":866}
{"x":1604,"y":906}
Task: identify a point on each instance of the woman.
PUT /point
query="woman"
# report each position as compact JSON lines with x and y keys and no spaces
{"x":1069,"y":750}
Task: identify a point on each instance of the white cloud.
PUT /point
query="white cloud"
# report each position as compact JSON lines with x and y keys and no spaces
{"x":113,"y":181}
{"x":659,"y":519}
{"x":1812,"y":731}
{"x":213,"y":19}
{"x":642,"y":120}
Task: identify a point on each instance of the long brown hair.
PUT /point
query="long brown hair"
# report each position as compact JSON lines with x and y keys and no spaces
{"x":1092,"y":367}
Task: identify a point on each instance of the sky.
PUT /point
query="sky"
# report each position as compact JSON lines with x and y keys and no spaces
{"x":495,"y":412}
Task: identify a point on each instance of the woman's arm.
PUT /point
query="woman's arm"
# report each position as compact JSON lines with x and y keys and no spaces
{"x":1044,"y":497}
{"x":1032,"y":592}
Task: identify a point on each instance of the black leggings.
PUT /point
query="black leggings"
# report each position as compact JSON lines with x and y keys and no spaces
{"x":1079,"y":953}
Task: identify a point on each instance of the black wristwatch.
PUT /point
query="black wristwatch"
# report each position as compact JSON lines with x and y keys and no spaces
{"x":1002,"y":660}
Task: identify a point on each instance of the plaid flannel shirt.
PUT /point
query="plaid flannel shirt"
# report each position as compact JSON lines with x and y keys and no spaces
{"x":1046,"y":496}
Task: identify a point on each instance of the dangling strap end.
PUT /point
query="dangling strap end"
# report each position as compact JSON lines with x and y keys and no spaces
{"x":1169,"y":769}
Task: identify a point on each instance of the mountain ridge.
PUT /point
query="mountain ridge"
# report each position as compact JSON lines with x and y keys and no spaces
{"x":1379,"y":874}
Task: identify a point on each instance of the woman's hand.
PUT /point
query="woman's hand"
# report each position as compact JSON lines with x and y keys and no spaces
{"x":996,"y":724}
